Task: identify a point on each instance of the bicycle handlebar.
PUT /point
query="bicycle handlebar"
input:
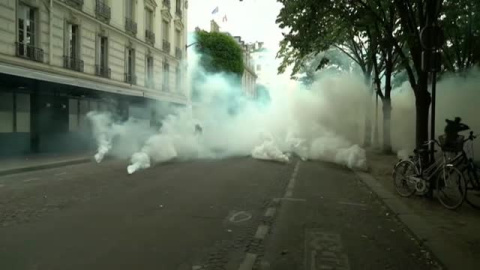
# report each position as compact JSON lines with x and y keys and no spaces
{"x":471,"y":137}
{"x":427,"y":143}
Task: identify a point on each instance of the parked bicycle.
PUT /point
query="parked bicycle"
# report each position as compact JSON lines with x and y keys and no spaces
{"x":471,"y":172}
{"x":413,"y":176}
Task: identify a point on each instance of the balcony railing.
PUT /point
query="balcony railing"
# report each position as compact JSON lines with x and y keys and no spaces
{"x":150,"y":36}
{"x":29,"y":52}
{"x":73,"y":63}
{"x":130,"y":78}
{"x":166,"y":46}
{"x":130,"y":26}
{"x":75,"y":3}
{"x":102,"y":71}
{"x":178,"y":53}
{"x":166,"y":3}
{"x":102,"y":10}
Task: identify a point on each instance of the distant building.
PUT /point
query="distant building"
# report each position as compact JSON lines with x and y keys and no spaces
{"x":60,"y":59}
{"x":266,"y":65}
{"x":249,"y":76}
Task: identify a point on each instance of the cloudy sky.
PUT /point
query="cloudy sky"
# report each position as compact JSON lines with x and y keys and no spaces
{"x":254,"y":20}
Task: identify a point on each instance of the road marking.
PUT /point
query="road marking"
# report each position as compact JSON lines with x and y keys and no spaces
{"x":324,"y":251}
{"x":31,"y":179}
{"x":240,"y":217}
{"x":353,"y":204}
{"x":262,"y":231}
{"x":62,"y":173}
{"x":292,"y":199}
{"x":291,"y":183}
{"x":270,"y":212}
{"x":248,"y":262}
{"x":196,"y":267}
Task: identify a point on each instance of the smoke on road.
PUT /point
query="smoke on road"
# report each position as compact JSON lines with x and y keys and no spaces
{"x":323,"y":122}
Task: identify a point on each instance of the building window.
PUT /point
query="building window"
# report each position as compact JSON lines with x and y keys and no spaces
{"x":178,"y":79}
{"x":27,"y":34}
{"x":102,"y":68}
{"x":149,"y":33}
{"x":166,"y":36}
{"x":178,"y":8}
{"x":130,"y":24}
{"x":166,"y":76}
{"x":103,"y":10}
{"x":75,"y":3}
{"x":130,"y":66}
{"x":72,"y":45}
{"x":149,"y":73}
{"x":178,"y":41}
{"x":178,"y":38}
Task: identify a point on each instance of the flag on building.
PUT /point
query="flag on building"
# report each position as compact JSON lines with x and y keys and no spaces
{"x":215,"y":11}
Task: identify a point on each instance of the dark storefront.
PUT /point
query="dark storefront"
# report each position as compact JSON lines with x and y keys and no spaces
{"x":45,"y":117}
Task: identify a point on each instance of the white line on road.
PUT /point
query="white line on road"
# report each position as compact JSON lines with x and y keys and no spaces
{"x":248,"y":262}
{"x":262,"y":231}
{"x":292,"y":199}
{"x":291,"y":183}
{"x":31,"y":179}
{"x":353,"y":204}
{"x":62,"y":173}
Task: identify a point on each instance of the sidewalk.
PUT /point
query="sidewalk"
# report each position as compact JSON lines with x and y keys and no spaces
{"x":453,"y":236}
{"x":40,"y":161}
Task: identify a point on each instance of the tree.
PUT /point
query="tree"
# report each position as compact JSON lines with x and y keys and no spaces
{"x":220,"y":53}
{"x":462,"y":34}
{"x":317,"y":26}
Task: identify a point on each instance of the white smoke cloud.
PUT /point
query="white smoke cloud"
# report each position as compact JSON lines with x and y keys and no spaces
{"x":457,"y":95}
{"x":324,"y":122}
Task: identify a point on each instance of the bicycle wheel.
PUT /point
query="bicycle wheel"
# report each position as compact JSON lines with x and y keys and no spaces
{"x":473,"y":189}
{"x":473,"y":198}
{"x":401,"y":173}
{"x":451,"y":188}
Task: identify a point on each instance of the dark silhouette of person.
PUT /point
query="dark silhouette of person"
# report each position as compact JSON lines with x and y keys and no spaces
{"x":452,"y":139}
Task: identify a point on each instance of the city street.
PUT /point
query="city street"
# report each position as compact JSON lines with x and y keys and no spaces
{"x":237,"y":213}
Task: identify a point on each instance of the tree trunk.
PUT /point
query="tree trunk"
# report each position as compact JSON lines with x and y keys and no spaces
{"x":422,"y":104}
{"x":387,"y":102}
{"x":376,"y":138}
{"x":387,"y":116}
{"x":367,"y":139}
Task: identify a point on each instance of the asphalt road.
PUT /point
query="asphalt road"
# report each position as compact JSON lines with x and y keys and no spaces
{"x":217,"y":214}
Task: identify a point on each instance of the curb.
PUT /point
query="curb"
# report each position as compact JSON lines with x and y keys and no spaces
{"x":44,"y":166}
{"x":447,"y":255}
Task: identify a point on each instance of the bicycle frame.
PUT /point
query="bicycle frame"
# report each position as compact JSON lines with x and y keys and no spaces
{"x":432,"y":170}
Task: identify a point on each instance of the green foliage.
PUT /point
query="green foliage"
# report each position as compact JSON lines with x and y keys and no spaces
{"x":461,"y":22}
{"x":220,"y":53}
